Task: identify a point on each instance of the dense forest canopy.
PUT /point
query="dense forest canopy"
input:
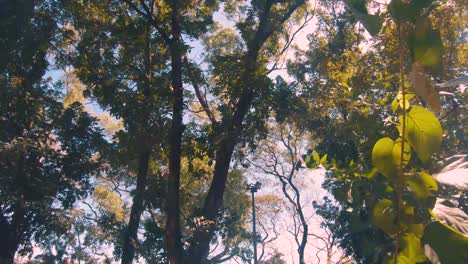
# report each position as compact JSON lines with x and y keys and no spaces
{"x":133,"y":131}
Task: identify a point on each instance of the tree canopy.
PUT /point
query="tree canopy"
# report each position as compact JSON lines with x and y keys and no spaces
{"x":131,"y":129}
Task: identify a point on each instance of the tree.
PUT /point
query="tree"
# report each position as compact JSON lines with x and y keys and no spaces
{"x":143,"y":146}
{"x":280,"y":157}
{"x":238,"y":72}
{"x":48,"y":153}
{"x":135,"y":75}
{"x":169,"y":27}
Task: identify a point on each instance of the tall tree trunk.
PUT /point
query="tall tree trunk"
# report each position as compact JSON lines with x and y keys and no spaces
{"x":131,"y":236}
{"x":173,"y":232}
{"x":302,"y":246}
{"x":200,"y":246}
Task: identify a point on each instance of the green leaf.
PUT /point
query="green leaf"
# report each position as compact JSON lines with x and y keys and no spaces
{"x":425,"y":44}
{"x":416,"y":229}
{"x":450,"y":245}
{"x":394,"y":105}
{"x":422,"y":184}
{"x":372,"y":23}
{"x":384,"y":217}
{"x":316,"y":157}
{"x":396,"y":152}
{"x":382,"y":157}
{"x":423,"y":132}
{"x":371,"y":174}
{"x":405,"y":104}
{"x":323,"y":160}
{"x":412,"y":249}
{"x":408,"y":96}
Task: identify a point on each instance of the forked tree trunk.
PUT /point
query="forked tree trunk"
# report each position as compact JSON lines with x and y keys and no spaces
{"x":233,"y":128}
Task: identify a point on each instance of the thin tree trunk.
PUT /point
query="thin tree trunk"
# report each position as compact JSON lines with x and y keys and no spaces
{"x":131,"y":237}
{"x":173,"y":233}
{"x":305,"y":226}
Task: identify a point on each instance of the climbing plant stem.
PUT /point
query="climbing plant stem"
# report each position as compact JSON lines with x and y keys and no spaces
{"x":400,"y":183}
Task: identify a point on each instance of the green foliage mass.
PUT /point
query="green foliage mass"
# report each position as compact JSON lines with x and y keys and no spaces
{"x":195,"y":96}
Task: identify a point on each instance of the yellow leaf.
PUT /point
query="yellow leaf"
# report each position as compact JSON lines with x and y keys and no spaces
{"x":382,"y":157}
{"x":384,"y":217}
{"x":422,"y":184}
{"x":397,"y":152}
{"x":423,"y":131}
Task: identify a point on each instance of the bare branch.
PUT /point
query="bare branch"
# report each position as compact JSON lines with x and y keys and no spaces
{"x":200,"y":97}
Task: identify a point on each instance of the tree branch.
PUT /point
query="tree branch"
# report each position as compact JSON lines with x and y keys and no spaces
{"x":200,"y":98}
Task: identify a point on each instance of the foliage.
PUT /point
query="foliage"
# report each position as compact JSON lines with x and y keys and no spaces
{"x":48,"y":153}
{"x":400,"y":207}
{"x":165,"y":183}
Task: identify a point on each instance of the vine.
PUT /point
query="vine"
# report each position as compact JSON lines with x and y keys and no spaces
{"x":403,"y":129}
{"x":405,"y":214}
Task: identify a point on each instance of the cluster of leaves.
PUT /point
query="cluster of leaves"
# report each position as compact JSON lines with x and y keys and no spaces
{"x":48,"y":153}
{"x":398,"y":193}
{"x":405,"y":216}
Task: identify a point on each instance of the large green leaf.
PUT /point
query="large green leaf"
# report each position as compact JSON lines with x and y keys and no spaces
{"x":397,"y":152}
{"x":450,"y":245}
{"x":382,"y":157}
{"x":412,"y":250}
{"x":425,"y":44}
{"x":422,"y":184}
{"x":423,"y":131}
{"x":384,"y":217}
{"x":372,"y":23}
{"x":408,"y":10}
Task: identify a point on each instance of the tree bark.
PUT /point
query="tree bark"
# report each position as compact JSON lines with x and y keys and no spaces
{"x":131,"y":237}
{"x":173,"y":232}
